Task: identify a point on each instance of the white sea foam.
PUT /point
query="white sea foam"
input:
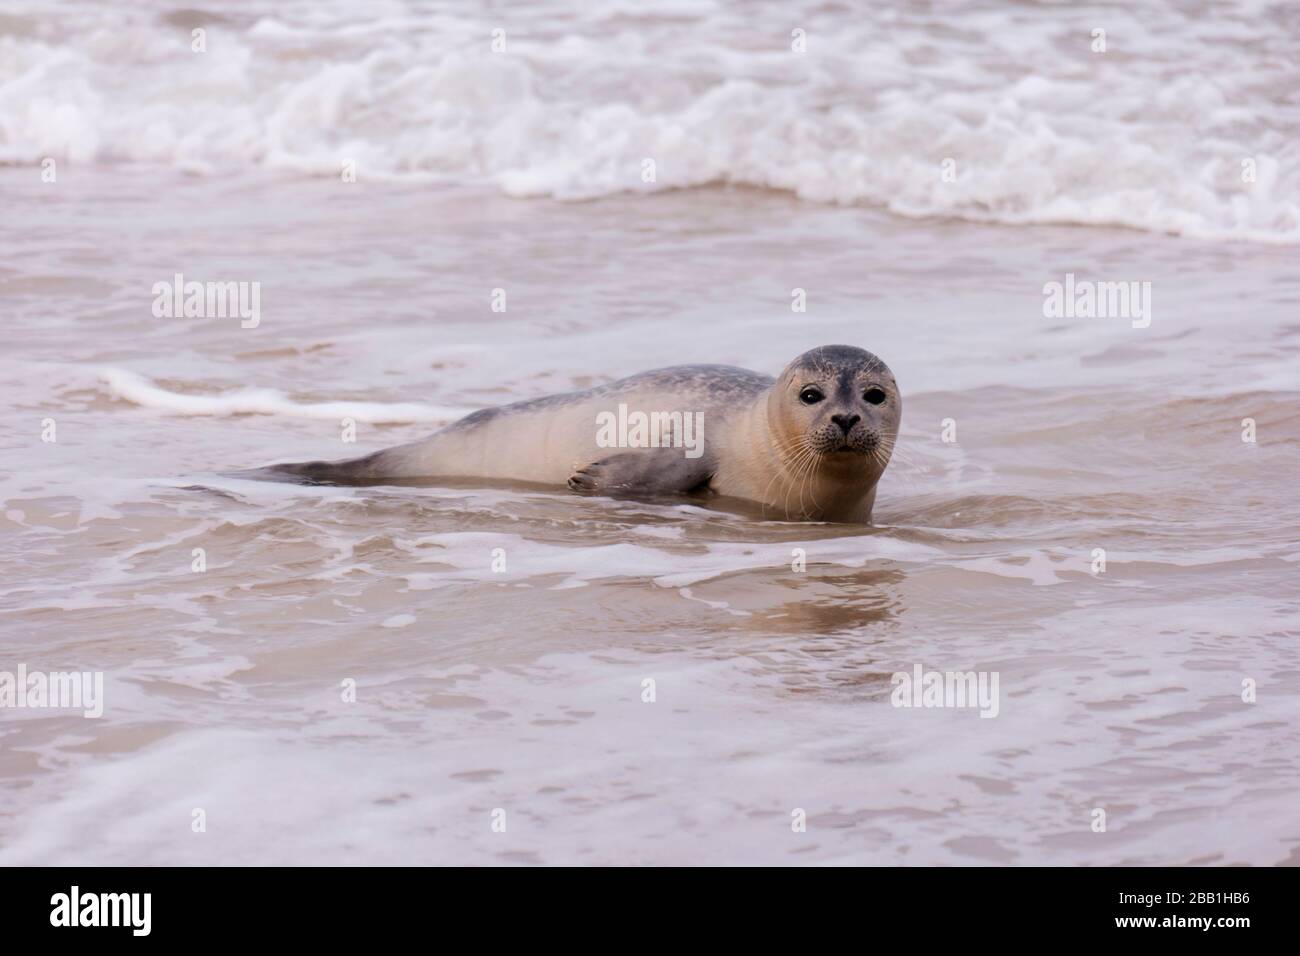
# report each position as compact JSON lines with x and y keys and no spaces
{"x":267,"y":401}
{"x":469,"y":553}
{"x":1151,"y":134}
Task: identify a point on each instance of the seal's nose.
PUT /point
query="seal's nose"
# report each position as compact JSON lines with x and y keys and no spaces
{"x":846,"y":422}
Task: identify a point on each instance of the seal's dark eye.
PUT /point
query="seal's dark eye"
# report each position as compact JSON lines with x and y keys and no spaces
{"x":874,"y":396}
{"x":811,"y":396}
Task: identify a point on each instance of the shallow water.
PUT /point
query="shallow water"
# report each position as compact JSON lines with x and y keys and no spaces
{"x":520,"y":687}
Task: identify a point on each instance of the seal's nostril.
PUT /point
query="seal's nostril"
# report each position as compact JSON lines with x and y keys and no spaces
{"x":846,"y":422}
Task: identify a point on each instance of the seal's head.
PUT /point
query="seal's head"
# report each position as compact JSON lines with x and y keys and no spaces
{"x":837,"y":407}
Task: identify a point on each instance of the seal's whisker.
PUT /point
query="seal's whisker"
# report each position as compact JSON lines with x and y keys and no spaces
{"x":809,"y":471}
{"x":796,"y":445}
{"x":804,"y":456}
{"x":808,"y":458}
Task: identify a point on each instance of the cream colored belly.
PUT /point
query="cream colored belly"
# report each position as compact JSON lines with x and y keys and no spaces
{"x":544,"y":446}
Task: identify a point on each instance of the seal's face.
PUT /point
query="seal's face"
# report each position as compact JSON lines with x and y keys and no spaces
{"x":839,"y":407}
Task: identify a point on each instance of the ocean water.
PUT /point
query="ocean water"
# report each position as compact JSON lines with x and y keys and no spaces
{"x":499,"y":640}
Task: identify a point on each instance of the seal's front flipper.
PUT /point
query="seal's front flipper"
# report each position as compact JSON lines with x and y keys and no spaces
{"x":649,"y":471}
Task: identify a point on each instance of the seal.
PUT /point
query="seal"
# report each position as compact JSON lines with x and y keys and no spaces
{"x":810,"y":444}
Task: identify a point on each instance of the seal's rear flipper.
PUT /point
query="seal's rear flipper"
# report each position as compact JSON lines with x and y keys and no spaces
{"x":353,"y":471}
